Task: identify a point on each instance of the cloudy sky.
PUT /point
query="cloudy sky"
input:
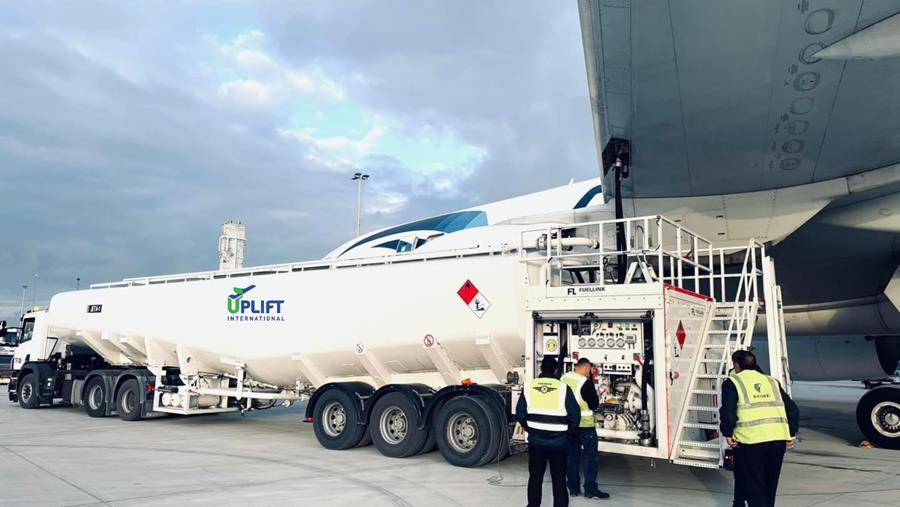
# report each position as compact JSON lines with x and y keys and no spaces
{"x":129,"y":131}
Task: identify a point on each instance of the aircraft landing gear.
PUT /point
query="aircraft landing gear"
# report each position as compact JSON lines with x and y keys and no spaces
{"x":878,"y":416}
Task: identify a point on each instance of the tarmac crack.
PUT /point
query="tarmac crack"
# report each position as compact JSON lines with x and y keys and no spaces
{"x":393,"y":497}
{"x":100,"y":500}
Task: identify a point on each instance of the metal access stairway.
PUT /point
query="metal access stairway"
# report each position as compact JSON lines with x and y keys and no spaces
{"x":729,"y":327}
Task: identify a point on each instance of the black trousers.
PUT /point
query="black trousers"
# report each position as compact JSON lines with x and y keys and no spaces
{"x":538,"y":457}
{"x":757,"y":468}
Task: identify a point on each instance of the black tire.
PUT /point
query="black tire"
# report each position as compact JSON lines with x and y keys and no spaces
{"x":394,"y":427}
{"x":28,"y":391}
{"x":366,"y":439}
{"x":430,"y":443}
{"x":878,"y":417}
{"x":505,"y":433}
{"x":128,"y":400}
{"x":94,"y":397}
{"x":472,"y":414}
{"x":336,"y":421}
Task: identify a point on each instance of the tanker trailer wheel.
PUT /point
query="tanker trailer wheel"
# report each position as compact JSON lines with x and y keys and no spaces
{"x":468,"y":432}
{"x":28,"y":391}
{"x":394,"y":427}
{"x":878,"y":416}
{"x":336,"y":421}
{"x":128,"y":402}
{"x":95,"y":397}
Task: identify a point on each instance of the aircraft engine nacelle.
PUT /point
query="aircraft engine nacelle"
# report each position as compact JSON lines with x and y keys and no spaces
{"x":837,"y":357}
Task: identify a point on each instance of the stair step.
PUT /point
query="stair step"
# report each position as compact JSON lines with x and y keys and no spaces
{"x":701,"y":426}
{"x":710,"y":444}
{"x":696,"y":463}
{"x":703,"y":391}
{"x":708,"y":376}
{"x":711,"y":361}
{"x":700,"y":454}
{"x":703,"y":409}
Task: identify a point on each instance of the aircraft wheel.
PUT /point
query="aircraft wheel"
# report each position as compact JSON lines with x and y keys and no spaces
{"x":878,"y":416}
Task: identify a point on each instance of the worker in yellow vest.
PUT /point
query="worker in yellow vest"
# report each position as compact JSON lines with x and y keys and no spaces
{"x":583,"y":442}
{"x":758,"y":420}
{"x":547,"y":410}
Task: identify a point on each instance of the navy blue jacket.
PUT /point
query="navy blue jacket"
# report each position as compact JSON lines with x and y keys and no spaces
{"x":550,"y":438}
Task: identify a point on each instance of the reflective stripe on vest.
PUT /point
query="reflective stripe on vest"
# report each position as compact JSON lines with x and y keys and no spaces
{"x":760,"y":411}
{"x":546,"y":400}
{"x":576,"y":381}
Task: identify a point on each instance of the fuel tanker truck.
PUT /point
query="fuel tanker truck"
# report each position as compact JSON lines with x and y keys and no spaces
{"x":428,"y":346}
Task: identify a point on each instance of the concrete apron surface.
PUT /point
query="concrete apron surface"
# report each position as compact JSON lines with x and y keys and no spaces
{"x":60,"y":456}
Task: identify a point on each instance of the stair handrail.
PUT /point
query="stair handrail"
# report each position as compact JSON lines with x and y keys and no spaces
{"x":740,"y":311}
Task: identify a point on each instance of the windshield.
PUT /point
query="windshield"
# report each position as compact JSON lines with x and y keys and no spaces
{"x":27,"y":330}
{"x":9,"y":337}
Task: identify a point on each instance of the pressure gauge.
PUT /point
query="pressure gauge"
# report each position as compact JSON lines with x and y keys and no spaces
{"x":582,"y":342}
{"x":591,"y":342}
{"x":620,"y":342}
{"x":611,"y":342}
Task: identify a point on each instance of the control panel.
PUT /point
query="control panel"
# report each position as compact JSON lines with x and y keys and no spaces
{"x":610,"y":344}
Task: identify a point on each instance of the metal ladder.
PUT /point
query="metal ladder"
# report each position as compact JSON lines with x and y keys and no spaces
{"x":730,"y":327}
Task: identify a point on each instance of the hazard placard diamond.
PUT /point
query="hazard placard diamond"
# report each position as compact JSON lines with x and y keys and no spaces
{"x":474,"y":299}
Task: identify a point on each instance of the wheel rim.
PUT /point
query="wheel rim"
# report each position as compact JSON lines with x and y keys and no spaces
{"x":128,"y":401}
{"x":886,"y":419}
{"x":26,"y":393}
{"x":95,"y":397}
{"x":462,"y":432}
{"x":393,"y":425}
{"x":334,"y":419}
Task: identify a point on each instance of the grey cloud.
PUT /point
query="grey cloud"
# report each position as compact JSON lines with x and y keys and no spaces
{"x":115,"y":163}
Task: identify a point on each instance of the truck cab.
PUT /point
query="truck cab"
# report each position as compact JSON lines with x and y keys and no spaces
{"x":33,"y":344}
{"x":9,"y":339}
{"x":33,"y":339}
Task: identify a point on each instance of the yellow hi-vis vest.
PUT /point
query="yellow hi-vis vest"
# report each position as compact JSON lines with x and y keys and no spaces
{"x":546,"y":400}
{"x":576,"y":382}
{"x":760,"y":412}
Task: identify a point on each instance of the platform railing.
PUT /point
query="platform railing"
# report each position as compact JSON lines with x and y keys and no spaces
{"x":660,"y":249}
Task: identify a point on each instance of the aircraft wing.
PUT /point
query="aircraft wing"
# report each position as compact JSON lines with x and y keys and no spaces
{"x":727,"y":96}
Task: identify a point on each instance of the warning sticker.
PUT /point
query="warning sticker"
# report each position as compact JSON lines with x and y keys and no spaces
{"x":474,"y":299}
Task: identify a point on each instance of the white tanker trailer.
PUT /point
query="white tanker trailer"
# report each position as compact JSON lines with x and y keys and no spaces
{"x":428,"y":348}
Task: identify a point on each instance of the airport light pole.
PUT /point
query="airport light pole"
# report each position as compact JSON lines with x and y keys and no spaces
{"x":34,"y":290}
{"x":24,"y":291}
{"x":359,"y":178}
{"x":77,"y":283}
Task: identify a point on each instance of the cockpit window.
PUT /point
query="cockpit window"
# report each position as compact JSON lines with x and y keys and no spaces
{"x":445,"y":224}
